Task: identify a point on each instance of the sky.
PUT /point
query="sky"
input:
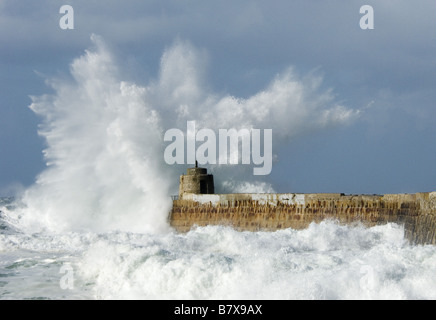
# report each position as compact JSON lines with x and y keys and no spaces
{"x":352,"y":110}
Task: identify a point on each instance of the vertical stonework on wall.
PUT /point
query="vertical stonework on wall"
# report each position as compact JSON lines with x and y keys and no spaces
{"x":422,"y":228}
{"x":199,"y":206}
{"x":253,"y":212}
{"x":196,"y":181}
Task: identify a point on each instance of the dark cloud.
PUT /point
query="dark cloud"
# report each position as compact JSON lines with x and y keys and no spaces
{"x":246,"y":44}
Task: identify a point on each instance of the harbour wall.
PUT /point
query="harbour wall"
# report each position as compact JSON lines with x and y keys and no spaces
{"x":270,"y":212}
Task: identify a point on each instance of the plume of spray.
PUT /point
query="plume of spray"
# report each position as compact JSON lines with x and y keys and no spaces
{"x":103,"y":146}
{"x":289,"y":105}
{"x":104,"y":155}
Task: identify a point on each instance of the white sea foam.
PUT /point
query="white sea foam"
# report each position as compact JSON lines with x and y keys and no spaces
{"x":104,"y":136}
{"x":101,"y":205}
{"x":325,"y":261}
{"x":104,"y":145}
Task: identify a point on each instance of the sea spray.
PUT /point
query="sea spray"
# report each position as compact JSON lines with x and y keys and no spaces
{"x":325,"y":261}
{"x":104,"y":169}
{"x":100,"y":207}
{"x":105,"y":137}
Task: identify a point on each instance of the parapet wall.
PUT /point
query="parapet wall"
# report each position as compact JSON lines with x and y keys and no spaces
{"x":253,"y":212}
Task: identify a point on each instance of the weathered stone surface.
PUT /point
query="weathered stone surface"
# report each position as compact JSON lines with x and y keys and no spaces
{"x":196,"y":181}
{"x":252,"y":212}
{"x":199,"y":206}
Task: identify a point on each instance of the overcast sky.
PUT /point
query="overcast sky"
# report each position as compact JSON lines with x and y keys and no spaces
{"x":384,"y":78}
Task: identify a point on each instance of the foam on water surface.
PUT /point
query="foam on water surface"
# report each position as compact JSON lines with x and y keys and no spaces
{"x":325,"y":261}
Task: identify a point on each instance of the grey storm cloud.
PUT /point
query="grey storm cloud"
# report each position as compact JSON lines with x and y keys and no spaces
{"x":243,"y":49}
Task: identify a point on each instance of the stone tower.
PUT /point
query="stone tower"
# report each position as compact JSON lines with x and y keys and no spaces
{"x":196,"y":181}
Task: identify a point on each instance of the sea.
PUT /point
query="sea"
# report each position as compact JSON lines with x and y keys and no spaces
{"x":326,"y":261}
{"x":94,"y":225}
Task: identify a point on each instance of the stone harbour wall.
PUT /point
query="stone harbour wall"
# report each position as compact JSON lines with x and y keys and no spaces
{"x":254,"y":212}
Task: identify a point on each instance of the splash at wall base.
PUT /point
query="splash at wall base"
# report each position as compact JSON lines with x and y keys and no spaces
{"x":269,"y":212}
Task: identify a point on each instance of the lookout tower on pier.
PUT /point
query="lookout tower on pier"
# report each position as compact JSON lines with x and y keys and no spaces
{"x":196,"y":181}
